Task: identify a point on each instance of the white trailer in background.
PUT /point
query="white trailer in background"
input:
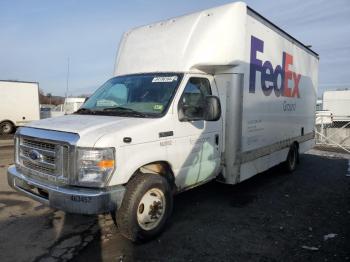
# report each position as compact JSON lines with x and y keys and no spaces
{"x":337,"y":102}
{"x":222,"y":93}
{"x":19,"y":104}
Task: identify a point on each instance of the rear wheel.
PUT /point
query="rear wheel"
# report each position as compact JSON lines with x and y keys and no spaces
{"x":6,"y":128}
{"x":146,"y":206}
{"x":292,"y":158}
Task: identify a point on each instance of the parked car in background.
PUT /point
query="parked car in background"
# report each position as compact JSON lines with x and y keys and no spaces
{"x":319,"y":104}
{"x":19,"y":104}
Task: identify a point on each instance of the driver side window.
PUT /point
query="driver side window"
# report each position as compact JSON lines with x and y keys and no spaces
{"x":192,"y":102}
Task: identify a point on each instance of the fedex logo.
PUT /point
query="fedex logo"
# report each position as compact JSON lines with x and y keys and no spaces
{"x":269,"y":75}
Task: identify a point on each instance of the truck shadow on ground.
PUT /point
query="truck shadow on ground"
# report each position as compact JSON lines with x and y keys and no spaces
{"x":194,"y":211}
{"x":266,"y":218}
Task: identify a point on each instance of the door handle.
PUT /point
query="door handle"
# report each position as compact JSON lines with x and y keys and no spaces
{"x":217,"y":139}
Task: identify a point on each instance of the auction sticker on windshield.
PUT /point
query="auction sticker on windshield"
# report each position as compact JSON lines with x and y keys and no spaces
{"x":158,"y":107}
{"x":164,"y":79}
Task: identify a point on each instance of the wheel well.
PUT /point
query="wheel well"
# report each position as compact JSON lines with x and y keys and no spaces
{"x":162,"y":168}
{"x":6,"y":120}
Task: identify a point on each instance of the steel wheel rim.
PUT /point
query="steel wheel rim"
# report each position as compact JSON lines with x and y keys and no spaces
{"x":151,"y":209}
{"x":6,"y":128}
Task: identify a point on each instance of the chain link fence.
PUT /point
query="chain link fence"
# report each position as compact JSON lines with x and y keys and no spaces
{"x":332,"y":133}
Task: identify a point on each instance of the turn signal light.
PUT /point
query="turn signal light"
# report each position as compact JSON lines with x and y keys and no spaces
{"x":106,"y":164}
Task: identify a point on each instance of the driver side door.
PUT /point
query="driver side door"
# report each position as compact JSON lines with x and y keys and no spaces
{"x":197,"y":142}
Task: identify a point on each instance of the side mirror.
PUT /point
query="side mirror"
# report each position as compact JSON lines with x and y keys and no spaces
{"x":212,"y":111}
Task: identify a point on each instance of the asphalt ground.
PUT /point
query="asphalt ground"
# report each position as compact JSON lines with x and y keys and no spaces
{"x":6,"y":141}
{"x":275,"y":216}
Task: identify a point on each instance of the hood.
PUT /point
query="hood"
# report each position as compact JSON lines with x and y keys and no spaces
{"x":91,"y":128}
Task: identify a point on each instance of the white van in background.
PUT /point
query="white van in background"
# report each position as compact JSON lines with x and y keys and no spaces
{"x":19,"y":104}
{"x":70,"y":105}
{"x":218,"y":94}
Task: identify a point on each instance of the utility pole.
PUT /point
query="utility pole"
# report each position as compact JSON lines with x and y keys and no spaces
{"x":67,"y":85}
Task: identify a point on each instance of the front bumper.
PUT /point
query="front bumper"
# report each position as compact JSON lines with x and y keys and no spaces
{"x":69,"y":199}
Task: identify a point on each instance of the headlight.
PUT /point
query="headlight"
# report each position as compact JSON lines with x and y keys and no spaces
{"x":94,"y":166}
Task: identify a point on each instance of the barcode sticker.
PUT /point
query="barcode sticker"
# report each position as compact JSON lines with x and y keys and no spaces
{"x":164,"y":79}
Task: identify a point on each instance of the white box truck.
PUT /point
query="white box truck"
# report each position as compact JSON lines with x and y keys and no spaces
{"x":337,"y":102}
{"x":19,"y":104}
{"x":222,"y":93}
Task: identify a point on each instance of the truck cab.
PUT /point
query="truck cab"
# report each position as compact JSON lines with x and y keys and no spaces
{"x":149,"y":125}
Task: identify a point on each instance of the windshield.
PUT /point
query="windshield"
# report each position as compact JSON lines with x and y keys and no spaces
{"x":142,"y":95}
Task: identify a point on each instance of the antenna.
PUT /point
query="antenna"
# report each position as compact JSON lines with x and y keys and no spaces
{"x":67,"y":85}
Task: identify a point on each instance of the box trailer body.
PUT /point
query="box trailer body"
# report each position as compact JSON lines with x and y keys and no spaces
{"x":338,"y":103}
{"x":222,"y":93}
{"x":19,"y":104}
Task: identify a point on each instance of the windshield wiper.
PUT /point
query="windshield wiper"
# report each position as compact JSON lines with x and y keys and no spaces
{"x":84,"y":111}
{"x":124,"y":110}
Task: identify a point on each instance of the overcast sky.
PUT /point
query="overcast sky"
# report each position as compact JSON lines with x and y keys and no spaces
{"x":37,"y":37}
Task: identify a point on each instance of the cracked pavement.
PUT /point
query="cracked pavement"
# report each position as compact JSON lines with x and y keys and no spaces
{"x":30,"y":231}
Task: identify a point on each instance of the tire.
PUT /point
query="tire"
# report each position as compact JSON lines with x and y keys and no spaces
{"x":6,"y":128}
{"x":138,"y":218}
{"x":292,"y":159}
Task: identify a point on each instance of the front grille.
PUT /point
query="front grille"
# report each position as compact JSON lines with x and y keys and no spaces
{"x":48,"y":159}
{"x":43,"y":158}
{"x":39,"y":168}
{"x":38,"y":144}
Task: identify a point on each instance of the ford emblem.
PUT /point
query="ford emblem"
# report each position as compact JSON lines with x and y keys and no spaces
{"x":35,"y":155}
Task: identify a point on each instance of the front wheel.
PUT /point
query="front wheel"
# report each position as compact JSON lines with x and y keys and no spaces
{"x":146,"y":206}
